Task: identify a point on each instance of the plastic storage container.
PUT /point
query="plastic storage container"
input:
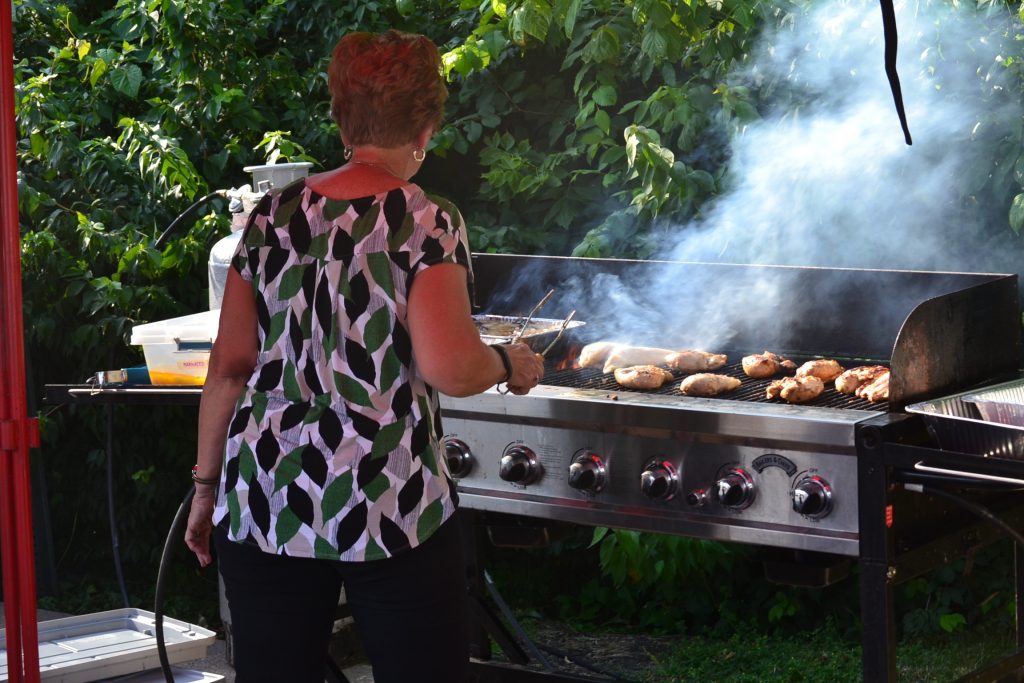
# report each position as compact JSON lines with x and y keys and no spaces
{"x":277,"y":175}
{"x":92,"y":647}
{"x":177,"y":350}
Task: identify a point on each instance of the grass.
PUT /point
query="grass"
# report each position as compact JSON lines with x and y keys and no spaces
{"x":823,"y":656}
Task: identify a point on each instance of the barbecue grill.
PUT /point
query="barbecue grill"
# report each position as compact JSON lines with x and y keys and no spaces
{"x":738,"y":467}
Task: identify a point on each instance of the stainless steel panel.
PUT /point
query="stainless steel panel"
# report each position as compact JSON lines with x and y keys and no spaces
{"x":698,"y":459}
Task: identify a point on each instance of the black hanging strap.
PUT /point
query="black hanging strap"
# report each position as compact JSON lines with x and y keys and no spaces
{"x":889,"y":28}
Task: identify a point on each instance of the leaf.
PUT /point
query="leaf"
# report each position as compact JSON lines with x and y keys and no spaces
{"x":603,"y":121}
{"x":599,"y":534}
{"x":603,"y":46}
{"x":387,"y":439}
{"x":952,"y":622}
{"x":571,"y":13}
{"x":605,"y":96}
{"x":1017,"y":213}
{"x":531,"y":18}
{"x":127,"y":79}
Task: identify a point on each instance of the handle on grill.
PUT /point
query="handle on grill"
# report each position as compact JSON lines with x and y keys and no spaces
{"x":968,"y":475}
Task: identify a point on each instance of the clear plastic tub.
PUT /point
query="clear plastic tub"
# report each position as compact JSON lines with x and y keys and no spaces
{"x":177,"y":350}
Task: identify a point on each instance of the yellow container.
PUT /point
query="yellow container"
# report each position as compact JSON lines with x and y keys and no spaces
{"x":177,"y":350}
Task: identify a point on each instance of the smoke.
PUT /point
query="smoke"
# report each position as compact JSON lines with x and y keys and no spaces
{"x":833,"y":183}
{"x":825,"y":179}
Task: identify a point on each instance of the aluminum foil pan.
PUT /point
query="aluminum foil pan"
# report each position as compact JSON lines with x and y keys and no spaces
{"x":958,"y":425}
{"x":499,"y":329}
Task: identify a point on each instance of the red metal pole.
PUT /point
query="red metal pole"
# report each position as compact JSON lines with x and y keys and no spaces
{"x":17,"y":432}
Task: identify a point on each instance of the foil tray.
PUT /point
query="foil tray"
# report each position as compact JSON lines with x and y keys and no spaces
{"x":958,"y":425}
{"x":1004,"y":405}
{"x":499,"y":329}
{"x":102,"y":645}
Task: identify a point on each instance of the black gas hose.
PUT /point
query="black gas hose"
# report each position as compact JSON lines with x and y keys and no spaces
{"x":161,"y":579}
{"x":184,"y":214}
{"x":918,"y":484}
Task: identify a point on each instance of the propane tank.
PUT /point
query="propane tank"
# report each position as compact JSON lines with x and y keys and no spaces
{"x":242,"y":201}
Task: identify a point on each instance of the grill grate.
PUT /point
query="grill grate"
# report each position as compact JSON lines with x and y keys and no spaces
{"x":752,"y":390}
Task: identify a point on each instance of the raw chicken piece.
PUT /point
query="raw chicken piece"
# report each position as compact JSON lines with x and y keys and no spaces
{"x":642,"y":376}
{"x":878,"y":390}
{"x":695,"y":361}
{"x":824,"y":369}
{"x":708,"y":384}
{"x":766,"y":364}
{"x":627,"y":356}
{"x":594,"y":355}
{"x":849,"y":381}
{"x":796,"y":389}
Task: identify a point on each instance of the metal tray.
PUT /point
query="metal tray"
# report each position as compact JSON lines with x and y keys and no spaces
{"x":91,"y":647}
{"x":499,"y":329}
{"x":957,"y":425}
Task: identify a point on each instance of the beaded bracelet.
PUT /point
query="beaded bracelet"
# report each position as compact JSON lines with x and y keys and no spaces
{"x":505,"y":361}
{"x":201,"y":480}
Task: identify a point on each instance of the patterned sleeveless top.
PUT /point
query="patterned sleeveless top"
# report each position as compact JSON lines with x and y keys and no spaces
{"x":333,"y":451}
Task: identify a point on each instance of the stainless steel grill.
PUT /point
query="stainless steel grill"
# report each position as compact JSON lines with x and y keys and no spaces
{"x":808,"y":480}
{"x":739,"y":467}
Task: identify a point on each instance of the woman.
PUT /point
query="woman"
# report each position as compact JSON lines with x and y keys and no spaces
{"x":346,"y":310}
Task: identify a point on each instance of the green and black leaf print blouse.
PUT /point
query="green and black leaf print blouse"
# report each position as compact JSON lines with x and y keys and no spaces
{"x":333,"y":449}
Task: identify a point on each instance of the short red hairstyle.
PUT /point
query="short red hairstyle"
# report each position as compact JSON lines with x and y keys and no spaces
{"x":386,"y":87}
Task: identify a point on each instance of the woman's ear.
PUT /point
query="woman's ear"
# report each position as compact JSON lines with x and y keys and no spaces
{"x":424,"y":137}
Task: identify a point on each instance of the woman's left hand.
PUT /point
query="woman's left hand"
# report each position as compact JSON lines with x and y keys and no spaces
{"x":200,"y":524}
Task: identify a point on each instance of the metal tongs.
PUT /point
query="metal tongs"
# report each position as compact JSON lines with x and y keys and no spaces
{"x":565,"y":323}
{"x":533,"y":311}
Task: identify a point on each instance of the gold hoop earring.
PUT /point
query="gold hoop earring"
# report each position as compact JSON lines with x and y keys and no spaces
{"x":419,"y":154}
{"x":348,"y":152}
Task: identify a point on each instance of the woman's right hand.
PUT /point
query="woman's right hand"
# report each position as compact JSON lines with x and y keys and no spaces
{"x":527,"y":368}
{"x":200,"y":524}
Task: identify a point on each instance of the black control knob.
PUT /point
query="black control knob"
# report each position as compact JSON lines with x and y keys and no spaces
{"x":659,"y":480}
{"x":587,"y":473}
{"x":812,"y":497}
{"x":459,"y":457}
{"x":519,"y":465}
{"x":735,"y":489}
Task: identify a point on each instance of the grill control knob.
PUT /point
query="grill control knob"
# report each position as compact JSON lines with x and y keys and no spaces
{"x":812,"y":497}
{"x":519,"y":465}
{"x":659,"y":480}
{"x":735,"y":490}
{"x":459,"y":457}
{"x":587,"y":473}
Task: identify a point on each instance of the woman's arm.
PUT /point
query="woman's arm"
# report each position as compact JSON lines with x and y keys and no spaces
{"x":447,"y":346}
{"x":232,"y":361}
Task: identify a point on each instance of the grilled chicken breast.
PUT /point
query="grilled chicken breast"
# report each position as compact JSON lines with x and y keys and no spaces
{"x":627,"y":356}
{"x":642,"y":377}
{"x":824,"y":369}
{"x":796,"y":389}
{"x":594,"y":355}
{"x":877,"y":390}
{"x":852,"y":379}
{"x":708,"y":384}
{"x":766,"y":364}
{"x":695,"y":361}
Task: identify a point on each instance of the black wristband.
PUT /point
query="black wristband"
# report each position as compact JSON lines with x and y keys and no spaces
{"x":505,"y":361}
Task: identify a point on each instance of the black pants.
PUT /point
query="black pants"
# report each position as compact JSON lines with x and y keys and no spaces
{"x":410,"y":610}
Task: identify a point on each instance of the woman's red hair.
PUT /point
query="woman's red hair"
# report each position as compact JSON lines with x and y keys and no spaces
{"x":385,"y":87}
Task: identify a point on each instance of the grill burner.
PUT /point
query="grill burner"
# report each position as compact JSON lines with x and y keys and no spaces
{"x":752,"y":390}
